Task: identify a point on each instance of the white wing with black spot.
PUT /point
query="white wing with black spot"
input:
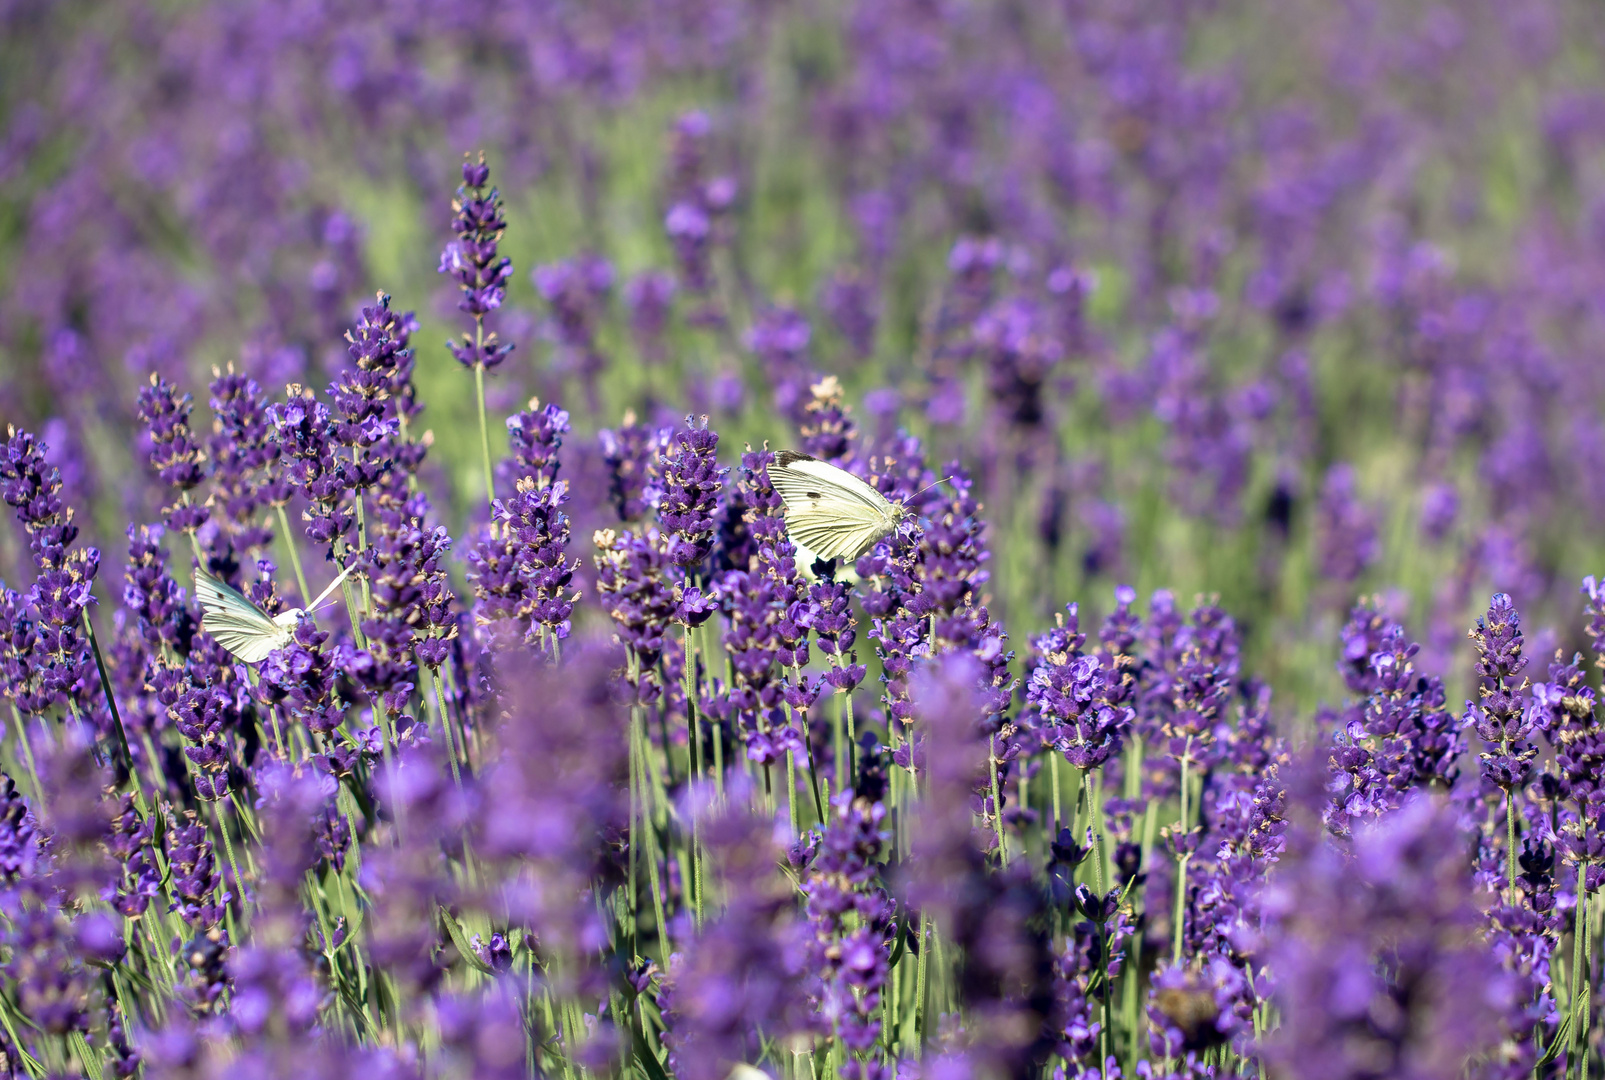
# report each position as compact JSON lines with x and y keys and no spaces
{"x":829,"y":511}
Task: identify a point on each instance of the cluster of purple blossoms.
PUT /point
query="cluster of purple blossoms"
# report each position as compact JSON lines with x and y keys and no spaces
{"x":48,"y":652}
{"x":474,"y":263}
{"x":1346,"y":528}
{"x":687,"y":484}
{"x":631,"y":453}
{"x":1401,"y":891}
{"x":520,"y":569}
{"x":1500,"y":716}
{"x":1076,"y":697}
{"x":1398,"y":736}
{"x":850,"y":913}
{"x":207,"y":871}
{"x":174,"y":452}
{"x":304,"y":430}
{"x":245,"y":478}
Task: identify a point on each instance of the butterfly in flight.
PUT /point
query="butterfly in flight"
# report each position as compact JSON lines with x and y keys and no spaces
{"x":240,"y":626}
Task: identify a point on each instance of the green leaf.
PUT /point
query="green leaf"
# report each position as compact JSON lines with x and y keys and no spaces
{"x":30,"y":1062}
{"x":1563,"y":1036}
{"x":460,"y":939}
{"x":90,"y":1059}
{"x":643,"y":1054}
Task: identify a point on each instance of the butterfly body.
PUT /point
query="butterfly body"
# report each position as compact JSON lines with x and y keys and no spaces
{"x":829,"y":511}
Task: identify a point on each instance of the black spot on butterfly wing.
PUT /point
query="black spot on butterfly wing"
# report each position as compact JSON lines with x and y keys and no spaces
{"x":814,"y":494}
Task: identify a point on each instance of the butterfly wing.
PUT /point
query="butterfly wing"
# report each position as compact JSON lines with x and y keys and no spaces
{"x":835,"y":531}
{"x":238,"y":625}
{"x":798,"y":477}
{"x":829,"y":511}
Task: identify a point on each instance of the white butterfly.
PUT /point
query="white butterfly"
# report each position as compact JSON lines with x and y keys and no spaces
{"x":240,"y":626}
{"x":830,"y":511}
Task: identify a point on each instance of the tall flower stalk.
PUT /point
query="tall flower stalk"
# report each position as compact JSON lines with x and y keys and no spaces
{"x":482,"y":274}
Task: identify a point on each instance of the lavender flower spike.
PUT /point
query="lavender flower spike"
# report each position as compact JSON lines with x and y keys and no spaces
{"x":481,"y":274}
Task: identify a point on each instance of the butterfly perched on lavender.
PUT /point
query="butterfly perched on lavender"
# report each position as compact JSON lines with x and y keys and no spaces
{"x":240,"y":626}
{"x":831,"y":512}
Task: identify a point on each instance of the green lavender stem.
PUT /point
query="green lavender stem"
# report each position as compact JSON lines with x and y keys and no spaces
{"x":1510,"y":837}
{"x":997,"y":799}
{"x":295,"y":554}
{"x":1579,"y":976}
{"x":116,"y":717}
{"x":484,"y":428}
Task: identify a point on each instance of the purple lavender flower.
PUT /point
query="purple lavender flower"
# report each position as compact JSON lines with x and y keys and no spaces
{"x":131,"y":845}
{"x":53,"y":984}
{"x":1069,"y":692}
{"x":199,"y":895}
{"x":305,"y":432}
{"x":1378,"y":966}
{"x":631,"y":454}
{"x":688,"y":483}
{"x":633,"y":588}
{"x":742,"y":973}
{"x":57,"y":666}
{"x":1500,"y":716}
{"x":1021,"y":348}
{"x":1398,"y":736}
{"x":848,"y":298}
{"x":828,"y":433}
{"x":535,"y":435}
{"x":779,"y":339}
{"x":173,"y":451}
{"x":22,"y":844}
{"x":648,"y":297}
{"x":1007,"y":983}
{"x":245,"y":460}
{"x":519,"y":570}
{"x":851,"y":914}
{"x":472,"y":260}
{"x":484,"y":1033}
{"x":1346,"y":530}
{"x":300,"y":678}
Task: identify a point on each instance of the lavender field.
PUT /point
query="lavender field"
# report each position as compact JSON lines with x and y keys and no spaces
{"x":1225,"y":704}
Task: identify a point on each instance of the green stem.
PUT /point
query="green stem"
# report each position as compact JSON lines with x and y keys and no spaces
{"x":1053,"y":782}
{"x":1510,"y":839}
{"x":111,"y":703}
{"x":362,"y":548}
{"x":295,"y":555}
{"x":1579,"y":976}
{"x":33,"y":766}
{"x":445,"y":727}
{"x":1181,"y":904}
{"x":1095,"y":810}
{"x":1181,"y":863}
{"x":852,"y":743}
{"x":484,"y":429}
{"x":919,"y":980}
{"x":694,"y":734}
{"x":791,"y":792}
{"x":997,"y":799}
{"x":228,"y":846}
{"x":800,"y":720}
{"x":638,"y":737}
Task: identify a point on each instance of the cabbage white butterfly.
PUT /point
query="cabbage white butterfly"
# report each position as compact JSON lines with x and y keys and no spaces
{"x":240,"y":626}
{"x":830,"y":511}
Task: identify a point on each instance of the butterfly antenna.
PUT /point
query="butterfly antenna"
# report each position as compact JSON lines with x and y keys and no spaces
{"x":924,"y":489}
{"x":331,"y":587}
